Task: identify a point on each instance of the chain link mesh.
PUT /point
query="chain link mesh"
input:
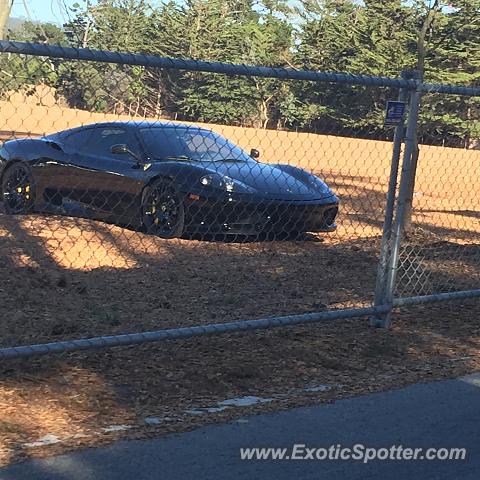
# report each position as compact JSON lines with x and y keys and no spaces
{"x":126,"y":210}
{"x":439,"y":253}
{"x":162,"y":222}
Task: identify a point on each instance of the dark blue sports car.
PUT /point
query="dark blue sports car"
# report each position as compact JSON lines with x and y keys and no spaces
{"x":170,"y":179}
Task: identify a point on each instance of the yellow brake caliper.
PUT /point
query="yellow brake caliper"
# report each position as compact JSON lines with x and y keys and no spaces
{"x":154,"y":209}
{"x":27,"y":191}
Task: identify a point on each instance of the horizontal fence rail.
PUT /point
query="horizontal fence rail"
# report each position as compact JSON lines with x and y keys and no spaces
{"x":128,"y":339}
{"x":436,"y":297}
{"x":186,"y":332}
{"x":104,"y":56}
{"x":451,"y":89}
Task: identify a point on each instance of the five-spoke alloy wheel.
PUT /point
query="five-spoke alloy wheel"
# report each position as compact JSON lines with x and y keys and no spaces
{"x":18,"y":189}
{"x":163,"y":212}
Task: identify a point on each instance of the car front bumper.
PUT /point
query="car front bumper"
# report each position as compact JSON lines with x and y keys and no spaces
{"x":234,"y":216}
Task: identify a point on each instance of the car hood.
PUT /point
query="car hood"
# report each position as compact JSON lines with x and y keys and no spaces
{"x":273,"y":181}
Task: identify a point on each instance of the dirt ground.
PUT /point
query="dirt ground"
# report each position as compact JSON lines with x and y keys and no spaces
{"x":69,"y":278}
{"x":83,"y":400}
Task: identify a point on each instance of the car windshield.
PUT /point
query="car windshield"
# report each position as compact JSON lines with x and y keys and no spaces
{"x":190,"y":143}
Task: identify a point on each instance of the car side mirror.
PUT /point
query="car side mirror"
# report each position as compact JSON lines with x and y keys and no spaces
{"x":254,"y":153}
{"x":122,"y":149}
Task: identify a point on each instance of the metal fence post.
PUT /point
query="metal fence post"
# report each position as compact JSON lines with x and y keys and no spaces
{"x":392,"y":236}
{"x":390,"y":205}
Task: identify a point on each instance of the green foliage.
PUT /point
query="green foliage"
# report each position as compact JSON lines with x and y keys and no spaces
{"x":380,"y":37}
{"x":453,"y":56}
{"x":227,"y":31}
{"x":20,"y":72}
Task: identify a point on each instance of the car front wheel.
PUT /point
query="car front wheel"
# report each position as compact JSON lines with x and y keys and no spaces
{"x":18,"y":189}
{"x":163,"y":211}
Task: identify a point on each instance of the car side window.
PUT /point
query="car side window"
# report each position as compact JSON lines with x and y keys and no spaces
{"x":98,"y":141}
{"x":79,"y":141}
{"x":107,"y":137}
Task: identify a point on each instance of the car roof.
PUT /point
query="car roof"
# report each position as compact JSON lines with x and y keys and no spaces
{"x":128,"y":123}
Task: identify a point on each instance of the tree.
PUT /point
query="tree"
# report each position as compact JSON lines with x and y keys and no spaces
{"x":452,"y":56}
{"x":119,"y":25}
{"x":448,"y":51}
{"x":216,"y":31}
{"x":324,"y":42}
{"x":433,"y":8}
{"x":5,"y":8}
{"x":381,"y":37}
{"x":25,"y":72}
{"x":342,"y":35}
{"x":225,"y":31}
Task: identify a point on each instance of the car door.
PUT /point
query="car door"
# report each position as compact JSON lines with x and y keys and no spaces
{"x":106,"y":182}
{"x":71,"y":179}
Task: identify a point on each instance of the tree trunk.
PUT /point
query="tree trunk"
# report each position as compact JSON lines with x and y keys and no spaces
{"x":85,"y":34}
{"x":427,"y":24}
{"x":407,"y":221}
{"x":265,"y":118}
{"x":5,"y":7}
{"x":158,"y":100}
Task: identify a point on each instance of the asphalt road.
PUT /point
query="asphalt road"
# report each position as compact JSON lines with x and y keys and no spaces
{"x":440,"y":414}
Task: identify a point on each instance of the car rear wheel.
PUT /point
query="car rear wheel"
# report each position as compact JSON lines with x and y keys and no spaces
{"x":163,"y":211}
{"x":18,"y":189}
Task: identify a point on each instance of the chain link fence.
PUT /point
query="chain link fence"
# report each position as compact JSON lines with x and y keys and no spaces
{"x":121,"y":214}
{"x":439,"y":253}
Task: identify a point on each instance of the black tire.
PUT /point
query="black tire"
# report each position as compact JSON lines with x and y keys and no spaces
{"x":163,"y":210}
{"x":18,"y":189}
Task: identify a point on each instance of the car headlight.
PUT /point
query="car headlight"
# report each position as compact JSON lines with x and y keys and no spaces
{"x":216,"y":180}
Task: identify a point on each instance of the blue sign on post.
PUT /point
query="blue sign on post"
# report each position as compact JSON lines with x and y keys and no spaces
{"x":395,"y":113}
